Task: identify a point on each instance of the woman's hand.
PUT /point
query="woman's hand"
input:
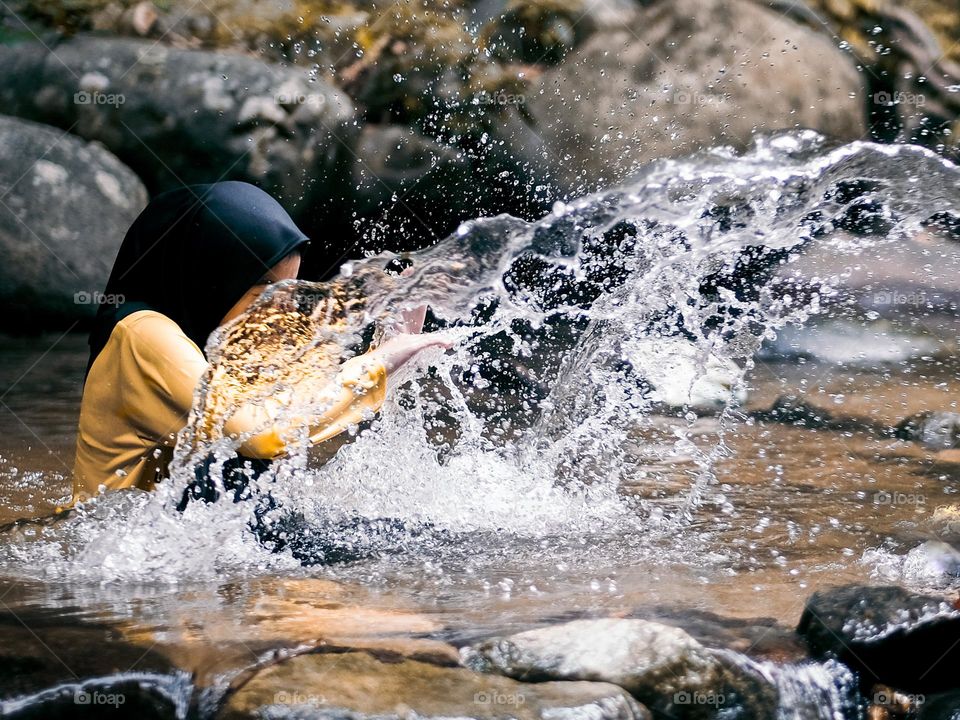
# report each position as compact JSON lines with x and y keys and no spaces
{"x":412,"y":320}
{"x":400,"y":349}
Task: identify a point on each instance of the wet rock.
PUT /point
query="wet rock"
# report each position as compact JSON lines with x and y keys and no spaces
{"x":911,"y":60}
{"x":859,"y":343}
{"x":391,"y":157}
{"x":682,"y":375}
{"x":415,"y":180}
{"x":758,"y":638}
{"x":794,"y":410}
{"x":65,"y":205}
{"x":661,"y":666}
{"x":886,"y":634}
{"x":50,"y":667}
{"x":943,"y":706}
{"x":180,"y":116}
{"x":358,"y":685}
{"x":937,"y":430}
{"x":684,"y":75}
{"x":534,"y":31}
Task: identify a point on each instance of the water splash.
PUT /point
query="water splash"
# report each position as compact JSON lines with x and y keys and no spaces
{"x":807,"y":690}
{"x":577,"y":335}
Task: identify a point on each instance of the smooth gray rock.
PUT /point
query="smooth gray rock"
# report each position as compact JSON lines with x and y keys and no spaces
{"x":65,"y":206}
{"x":661,"y":666}
{"x":359,"y":686}
{"x":185,"y":116}
{"x":682,"y":76}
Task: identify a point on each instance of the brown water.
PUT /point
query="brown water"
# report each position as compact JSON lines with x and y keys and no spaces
{"x":793,"y":510}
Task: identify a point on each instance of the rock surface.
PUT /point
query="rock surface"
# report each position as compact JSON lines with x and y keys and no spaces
{"x":65,"y":206}
{"x":357,"y":685}
{"x":661,"y":666}
{"x":182,"y":116}
{"x":50,"y":667}
{"x":937,"y":430}
{"x":685,"y":75}
{"x":887,"y":634}
{"x":762,"y":639}
{"x":944,"y":706}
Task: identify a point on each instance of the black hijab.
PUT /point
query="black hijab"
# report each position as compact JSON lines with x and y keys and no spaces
{"x":192,"y":254}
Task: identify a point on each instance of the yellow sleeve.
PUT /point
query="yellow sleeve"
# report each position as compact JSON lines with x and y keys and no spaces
{"x":166,"y":368}
{"x":354,"y":395}
{"x":172,"y":367}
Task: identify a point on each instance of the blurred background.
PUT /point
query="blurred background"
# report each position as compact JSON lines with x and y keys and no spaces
{"x":384,"y":125}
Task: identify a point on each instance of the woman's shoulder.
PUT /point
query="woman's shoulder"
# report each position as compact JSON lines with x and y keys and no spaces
{"x":150,"y":329}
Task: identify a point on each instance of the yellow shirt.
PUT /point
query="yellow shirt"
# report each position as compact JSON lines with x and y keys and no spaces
{"x":138,"y":395}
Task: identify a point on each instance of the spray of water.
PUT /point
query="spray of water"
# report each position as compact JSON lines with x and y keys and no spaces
{"x":576,"y":338}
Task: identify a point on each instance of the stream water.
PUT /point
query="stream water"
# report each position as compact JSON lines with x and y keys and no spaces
{"x":593,"y":444}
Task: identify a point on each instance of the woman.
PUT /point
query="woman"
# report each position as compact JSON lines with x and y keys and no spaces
{"x":194,"y":259}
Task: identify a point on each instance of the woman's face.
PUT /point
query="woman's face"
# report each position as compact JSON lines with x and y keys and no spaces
{"x":286,"y":269}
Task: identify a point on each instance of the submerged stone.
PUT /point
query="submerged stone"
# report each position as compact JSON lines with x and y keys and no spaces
{"x":886,"y":634}
{"x":357,"y":685}
{"x":661,"y":666}
{"x":760,"y":639}
{"x":51,"y":667}
{"x":937,"y":430}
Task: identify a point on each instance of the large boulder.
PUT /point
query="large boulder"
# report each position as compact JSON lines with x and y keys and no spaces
{"x":359,"y":685}
{"x":662,"y":666}
{"x":65,"y":206}
{"x":681,"y":76}
{"x":185,"y":116}
{"x":887,"y":635}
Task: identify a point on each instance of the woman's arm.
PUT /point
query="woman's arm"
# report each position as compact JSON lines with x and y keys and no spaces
{"x":173,"y":366}
{"x":356,"y":394}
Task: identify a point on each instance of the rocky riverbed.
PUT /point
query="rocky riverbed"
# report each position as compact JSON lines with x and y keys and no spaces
{"x":845,"y":658}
